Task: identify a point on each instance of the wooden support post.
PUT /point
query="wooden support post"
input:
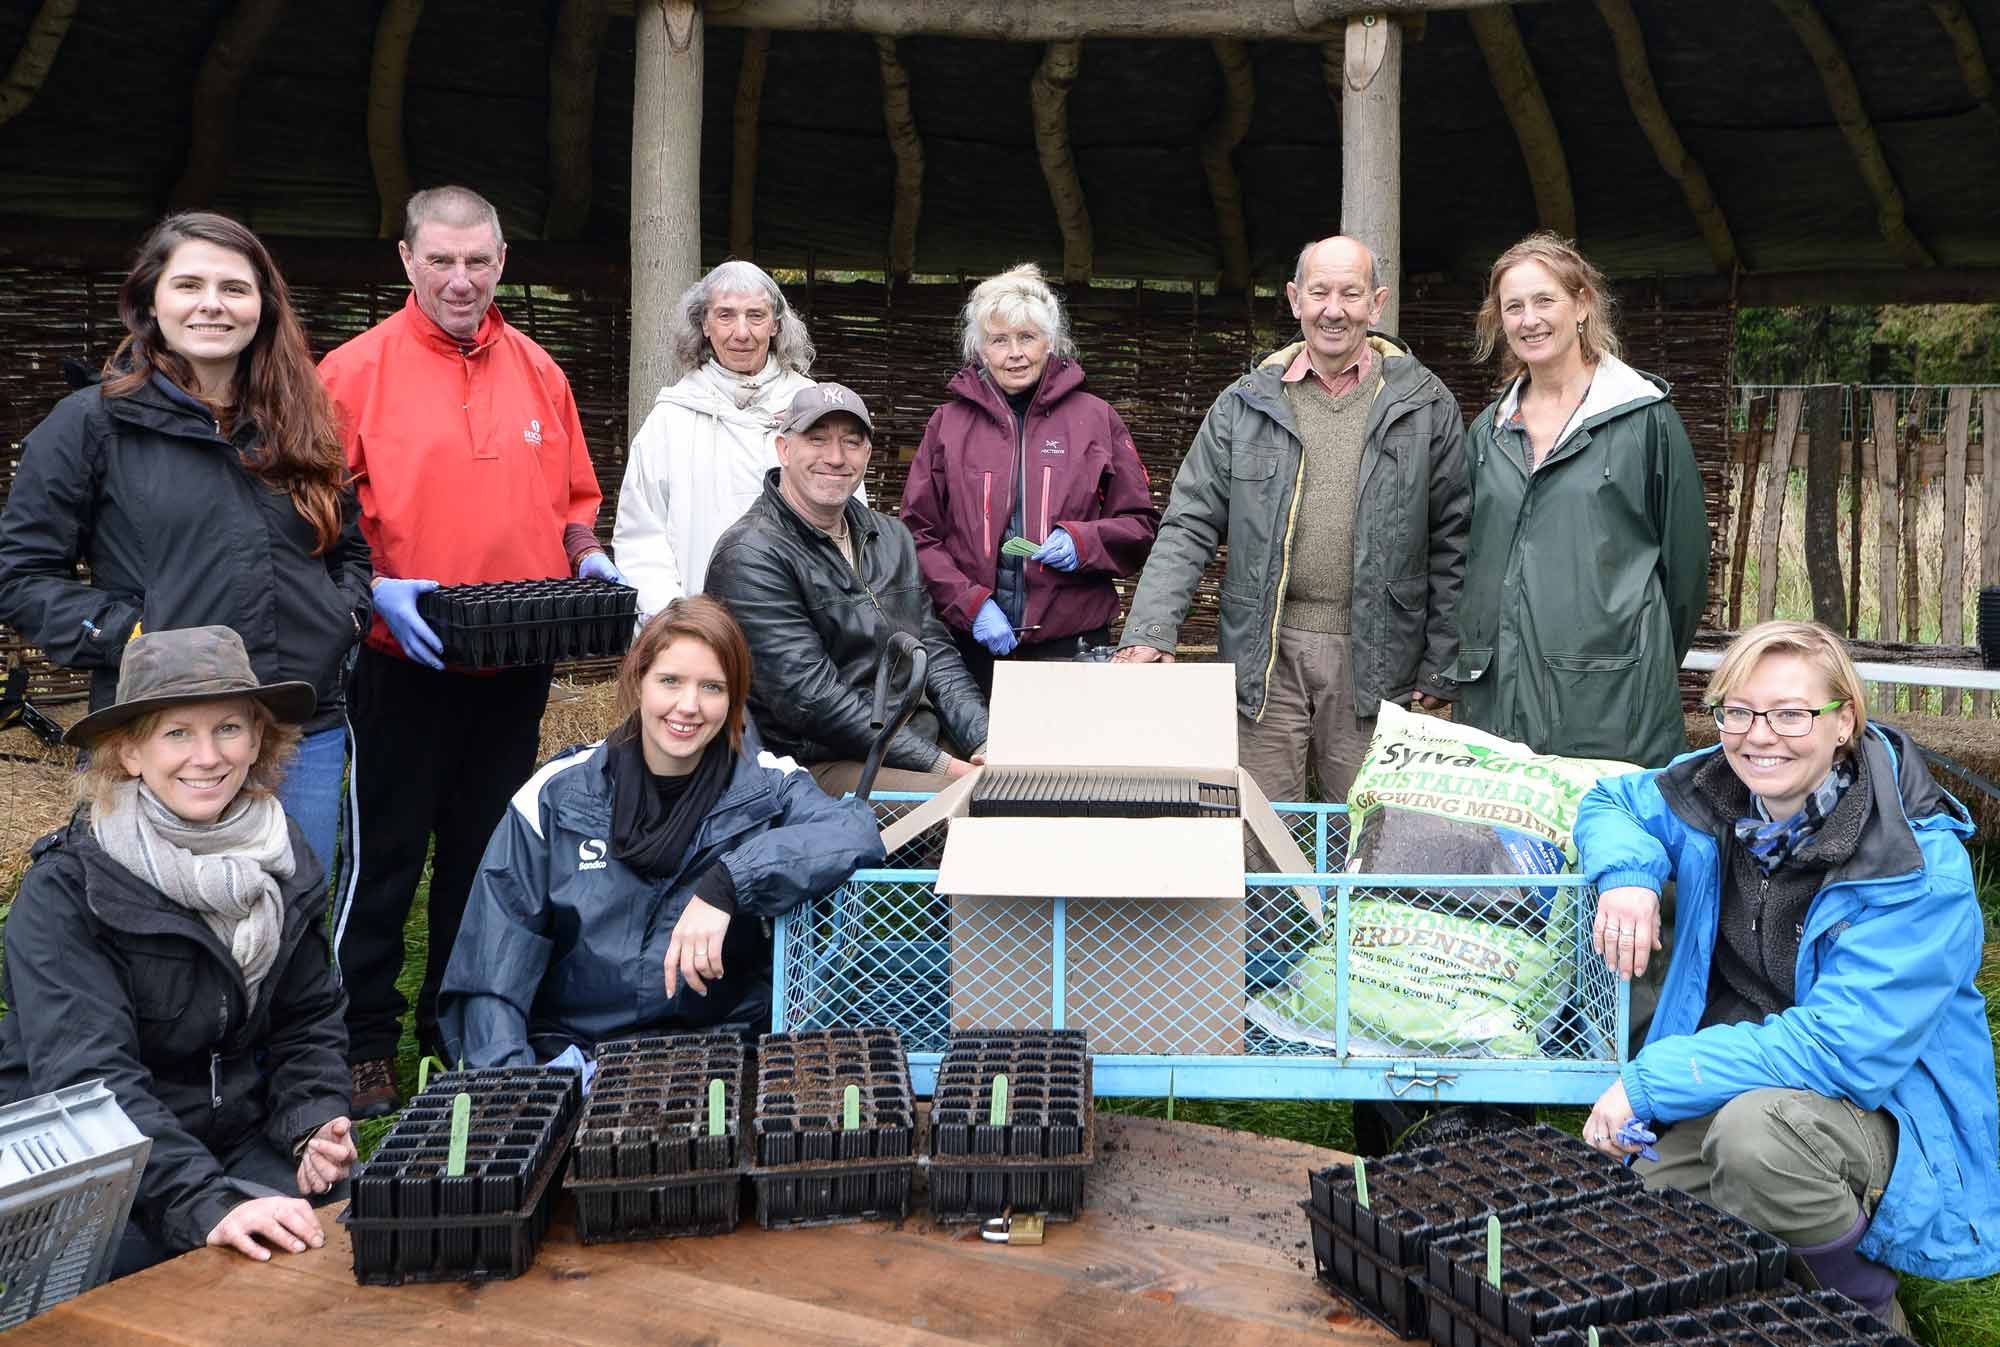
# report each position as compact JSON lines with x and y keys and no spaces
{"x":1746,"y":505}
{"x":1965,"y":45}
{"x":1777,"y":470}
{"x":393,"y":31}
{"x":37,"y":53}
{"x":223,"y":71}
{"x":1637,"y":74}
{"x":743,"y":167}
{"x":1048,"y":96}
{"x":580,"y":30}
{"x":1951,"y":590}
{"x":1857,"y":492}
{"x":1989,"y":510}
{"x":1332,"y":56}
{"x":1371,"y":150}
{"x":1822,"y":515}
{"x":908,"y":147}
{"x":1218,"y":149}
{"x":1912,"y":453}
{"x":1845,"y":96}
{"x":666,"y":184}
{"x":1534,"y":125}
{"x":1888,"y":510}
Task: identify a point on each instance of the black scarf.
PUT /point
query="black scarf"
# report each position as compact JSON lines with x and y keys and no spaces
{"x":647,"y":833}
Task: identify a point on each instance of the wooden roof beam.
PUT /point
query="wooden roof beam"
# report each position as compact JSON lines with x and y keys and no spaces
{"x":1218,"y":149}
{"x":572,"y":107}
{"x":1048,"y":95}
{"x":37,"y":54}
{"x":223,"y":71}
{"x":1845,"y":96}
{"x":1637,"y":74}
{"x":1064,"y":21}
{"x":386,"y":77}
{"x":1971,"y":56}
{"x":908,"y":147}
{"x":743,"y":171}
{"x":1534,"y":125}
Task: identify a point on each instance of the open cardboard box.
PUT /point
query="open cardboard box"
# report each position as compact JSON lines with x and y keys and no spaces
{"x":1155,"y":913}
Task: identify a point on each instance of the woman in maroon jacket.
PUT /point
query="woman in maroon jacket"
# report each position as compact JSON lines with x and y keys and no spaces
{"x":1022,"y":451}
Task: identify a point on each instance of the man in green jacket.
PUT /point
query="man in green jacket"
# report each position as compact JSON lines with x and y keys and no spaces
{"x":1335,"y":473}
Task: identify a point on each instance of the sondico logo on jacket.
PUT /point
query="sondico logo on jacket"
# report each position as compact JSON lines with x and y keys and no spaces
{"x":533,"y":434}
{"x":590,"y":854}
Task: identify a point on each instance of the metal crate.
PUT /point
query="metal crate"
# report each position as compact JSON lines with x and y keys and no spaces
{"x":881,"y":949}
{"x":69,"y":1165}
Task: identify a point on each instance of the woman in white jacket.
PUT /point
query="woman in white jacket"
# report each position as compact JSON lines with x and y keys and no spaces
{"x":740,"y":355}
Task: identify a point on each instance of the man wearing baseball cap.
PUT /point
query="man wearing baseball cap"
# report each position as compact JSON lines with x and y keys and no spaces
{"x":819,"y":583}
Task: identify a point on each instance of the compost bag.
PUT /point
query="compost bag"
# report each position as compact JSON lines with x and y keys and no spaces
{"x":1439,"y":969}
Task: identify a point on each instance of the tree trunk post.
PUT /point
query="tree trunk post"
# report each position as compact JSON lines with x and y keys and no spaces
{"x":1371,"y":150}
{"x":666,"y":185}
{"x":1822,"y":523}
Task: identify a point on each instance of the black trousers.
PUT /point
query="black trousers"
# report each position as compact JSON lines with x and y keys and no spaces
{"x":434,"y":754}
{"x":979,"y":660}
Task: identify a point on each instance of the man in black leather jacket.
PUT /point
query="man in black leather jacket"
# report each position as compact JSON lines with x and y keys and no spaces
{"x":819,"y":581}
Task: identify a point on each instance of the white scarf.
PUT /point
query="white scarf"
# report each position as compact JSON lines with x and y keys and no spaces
{"x":226,"y":872}
{"x":747,"y":391}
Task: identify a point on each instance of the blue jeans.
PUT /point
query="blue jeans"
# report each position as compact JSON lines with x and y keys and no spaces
{"x":310,"y":791}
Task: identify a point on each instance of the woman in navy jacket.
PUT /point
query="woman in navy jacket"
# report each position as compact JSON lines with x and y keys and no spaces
{"x":627,"y":888}
{"x":1820,"y":1062}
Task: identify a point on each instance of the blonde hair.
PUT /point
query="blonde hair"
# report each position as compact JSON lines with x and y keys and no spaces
{"x":1579,"y":279}
{"x":1811,"y":642}
{"x":105,"y":772}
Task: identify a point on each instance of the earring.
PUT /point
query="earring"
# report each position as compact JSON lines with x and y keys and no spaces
{"x":1579,"y":327}
{"x":1839,"y":741}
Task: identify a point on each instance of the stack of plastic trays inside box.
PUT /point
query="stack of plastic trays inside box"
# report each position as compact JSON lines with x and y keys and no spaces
{"x":1076,"y":792}
{"x":1808,"y":1319}
{"x":1374,"y":1254}
{"x":413,"y":1221}
{"x":1634,"y":1256}
{"x":659,"y":1152}
{"x":511,"y":623}
{"x":1024,"y":1147}
{"x":823,"y":1154}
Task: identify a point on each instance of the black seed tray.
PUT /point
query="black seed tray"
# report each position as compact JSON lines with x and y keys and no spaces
{"x":510,"y":623}
{"x":644,"y":1165}
{"x":1372,"y":1256}
{"x":411,"y":1222}
{"x":1045,"y":792}
{"x":1812,"y":1319}
{"x":1037,"y":1161}
{"x":808,"y":1169}
{"x":1611,"y":1261}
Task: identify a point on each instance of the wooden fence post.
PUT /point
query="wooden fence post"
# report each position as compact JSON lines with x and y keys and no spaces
{"x":1989,"y":513}
{"x":1777,"y":470}
{"x":1822,"y":515}
{"x":1746,"y":505}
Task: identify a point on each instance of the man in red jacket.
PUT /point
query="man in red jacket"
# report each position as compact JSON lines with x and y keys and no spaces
{"x":470,"y":465}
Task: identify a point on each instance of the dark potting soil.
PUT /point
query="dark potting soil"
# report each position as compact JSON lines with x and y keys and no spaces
{"x":811,"y":1169}
{"x":1035,"y":1159}
{"x":1814,"y":1319}
{"x":645,"y":1166}
{"x":507,"y":624}
{"x":1398,"y":841}
{"x":410,"y":1220}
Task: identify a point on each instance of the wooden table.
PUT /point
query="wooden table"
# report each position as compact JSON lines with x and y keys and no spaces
{"x":1190,"y":1235}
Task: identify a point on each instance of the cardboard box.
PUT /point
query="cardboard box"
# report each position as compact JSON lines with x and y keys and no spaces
{"x":1154,"y":933}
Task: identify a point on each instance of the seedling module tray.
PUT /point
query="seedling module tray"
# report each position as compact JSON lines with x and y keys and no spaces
{"x":645,"y":1166}
{"x":811,"y":1168}
{"x":1374,"y":1255}
{"x":412,"y":1221}
{"x":1815,"y":1319}
{"x":513,"y":623}
{"x":1618,"y":1259}
{"x":1036,"y":1158}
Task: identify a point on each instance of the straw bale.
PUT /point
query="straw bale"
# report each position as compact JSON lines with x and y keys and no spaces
{"x":577,"y":714}
{"x":34,"y":794}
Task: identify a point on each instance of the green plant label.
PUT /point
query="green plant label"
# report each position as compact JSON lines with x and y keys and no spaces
{"x":461,"y":1126}
{"x":424,"y":1071}
{"x":1493,"y":1251}
{"x":997,"y":1115}
{"x":1593,"y":1336}
{"x":850,"y":1108}
{"x":1361,"y":1182}
{"x":715,"y":1100}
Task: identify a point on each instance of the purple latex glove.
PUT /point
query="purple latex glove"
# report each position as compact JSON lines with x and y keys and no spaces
{"x":991,"y":629}
{"x":1636,"y":1132}
{"x":1059,"y":551}
{"x":396,"y":602}
{"x":599,"y":566}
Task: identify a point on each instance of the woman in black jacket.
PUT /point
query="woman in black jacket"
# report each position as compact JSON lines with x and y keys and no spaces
{"x":171,"y":941}
{"x":204,"y":483}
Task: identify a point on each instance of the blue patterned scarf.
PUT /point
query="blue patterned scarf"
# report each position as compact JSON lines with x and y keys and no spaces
{"x":1773,"y":842}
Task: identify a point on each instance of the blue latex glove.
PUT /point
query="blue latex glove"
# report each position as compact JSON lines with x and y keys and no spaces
{"x":1058,"y":551}
{"x":572,"y":1056}
{"x":1635,"y":1132}
{"x":396,"y":601}
{"x":992,"y":629}
{"x":599,"y":566}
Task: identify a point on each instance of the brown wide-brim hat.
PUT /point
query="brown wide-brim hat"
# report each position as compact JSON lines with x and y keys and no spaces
{"x":188,"y":664}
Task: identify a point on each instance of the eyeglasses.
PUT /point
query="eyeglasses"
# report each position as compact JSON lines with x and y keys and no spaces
{"x":1793,"y":722}
{"x":476,"y":268}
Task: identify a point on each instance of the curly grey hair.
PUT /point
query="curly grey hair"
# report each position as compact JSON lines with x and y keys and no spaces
{"x":791,"y":344}
{"x":1018,"y":296}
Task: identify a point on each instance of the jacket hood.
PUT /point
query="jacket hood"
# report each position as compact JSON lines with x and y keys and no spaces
{"x":1404,"y":378}
{"x":1615,"y":389}
{"x":1060,"y":377}
{"x":698,"y":391}
{"x":586,"y":804}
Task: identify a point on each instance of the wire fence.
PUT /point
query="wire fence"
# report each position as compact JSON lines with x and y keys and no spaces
{"x":1857,"y":402}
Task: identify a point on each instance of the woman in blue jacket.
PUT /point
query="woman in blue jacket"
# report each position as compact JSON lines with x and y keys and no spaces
{"x":1820,"y":1063}
{"x":627,"y":888}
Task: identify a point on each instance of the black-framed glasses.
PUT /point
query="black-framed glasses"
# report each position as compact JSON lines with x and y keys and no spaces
{"x":1793,"y":722}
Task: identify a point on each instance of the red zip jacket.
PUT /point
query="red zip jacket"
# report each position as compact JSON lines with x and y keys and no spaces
{"x":460,"y":494}
{"x":1081,"y":473}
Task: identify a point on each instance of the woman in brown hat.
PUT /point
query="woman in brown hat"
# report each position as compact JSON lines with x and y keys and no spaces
{"x":171,"y":941}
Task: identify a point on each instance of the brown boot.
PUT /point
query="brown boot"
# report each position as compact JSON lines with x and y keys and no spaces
{"x":374,"y":1088}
